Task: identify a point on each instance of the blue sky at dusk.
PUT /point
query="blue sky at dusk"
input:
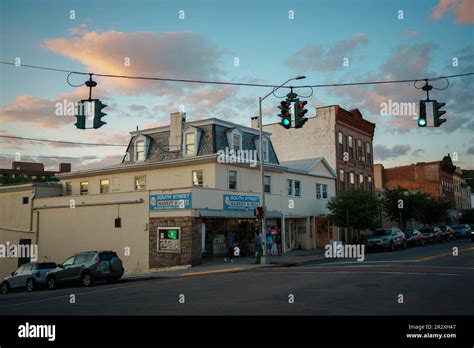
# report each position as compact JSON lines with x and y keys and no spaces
{"x":270,"y":48}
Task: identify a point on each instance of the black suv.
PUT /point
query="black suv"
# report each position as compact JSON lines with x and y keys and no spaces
{"x":86,"y":267}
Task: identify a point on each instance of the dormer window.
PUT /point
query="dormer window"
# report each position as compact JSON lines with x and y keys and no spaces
{"x":236,"y":141}
{"x":265,"y":148}
{"x":191,"y":141}
{"x":140,"y":150}
{"x":141,"y":145}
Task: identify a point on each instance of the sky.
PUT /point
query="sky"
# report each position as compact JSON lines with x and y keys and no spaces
{"x":265,"y":42}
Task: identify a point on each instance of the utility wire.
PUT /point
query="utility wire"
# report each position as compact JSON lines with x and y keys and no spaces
{"x":239,"y":83}
{"x":60,"y":141}
{"x":65,"y":157}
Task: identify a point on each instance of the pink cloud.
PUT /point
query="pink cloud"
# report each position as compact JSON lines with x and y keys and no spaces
{"x":463,"y":10}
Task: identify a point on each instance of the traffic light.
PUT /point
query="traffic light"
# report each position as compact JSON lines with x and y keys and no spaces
{"x":300,"y":111}
{"x":285,"y":114}
{"x":81,"y":117}
{"x":98,"y":114}
{"x":437,"y":113}
{"x":258,"y":212}
{"x":422,"y":122}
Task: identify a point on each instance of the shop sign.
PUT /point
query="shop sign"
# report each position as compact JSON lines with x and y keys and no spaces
{"x":238,"y":202}
{"x":170,"y":201}
{"x":169,"y":239}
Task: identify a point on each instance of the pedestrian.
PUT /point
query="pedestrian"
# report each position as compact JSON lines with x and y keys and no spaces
{"x":269,"y":242}
{"x":230,"y":247}
{"x":278,"y":242}
{"x":258,"y":247}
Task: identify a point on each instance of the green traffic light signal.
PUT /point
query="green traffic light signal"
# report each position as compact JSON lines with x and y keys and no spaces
{"x":422,"y":114}
{"x":98,"y":114}
{"x":300,"y":112}
{"x":285,"y":114}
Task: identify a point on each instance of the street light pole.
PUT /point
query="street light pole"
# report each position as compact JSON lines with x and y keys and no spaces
{"x":262,"y":160}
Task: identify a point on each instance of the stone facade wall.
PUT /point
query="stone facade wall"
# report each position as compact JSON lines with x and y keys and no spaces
{"x":190,"y":242}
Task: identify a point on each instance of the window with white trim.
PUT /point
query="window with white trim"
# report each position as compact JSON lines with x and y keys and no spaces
{"x":140,"y":183}
{"x":236,"y":142}
{"x":232,"y":180}
{"x":289,"y":187}
{"x":198,"y":178}
{"x":297,"y":188}
{"x":321,"y":191}
{"x":140,"y":150}
{"x":190,"y":144}
{"x":267,"y":181}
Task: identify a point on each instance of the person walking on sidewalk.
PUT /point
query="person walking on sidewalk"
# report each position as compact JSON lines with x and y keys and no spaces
{"x":269,"y":242}
{"x":278,"y":242}
{"x":230,"y":247}
{"x":258,"y":247}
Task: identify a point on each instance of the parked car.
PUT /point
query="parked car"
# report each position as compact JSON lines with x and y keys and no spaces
{"x":386,"y":238}
{"x":448,"y":233}
{"x":463,"y":231}
{"x":414,"y":237}
{"x":432,"y":234}
{"x":87,"y":267}
{"x":29,"y":275}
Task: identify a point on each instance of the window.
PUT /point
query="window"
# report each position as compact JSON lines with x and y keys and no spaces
{"x":140,"y":183}
{"x":198,"y":178}
{"x":341,"y":179}
{"x":69,"y":261}
{"x":68,"y":189}
{"x":340,"y":143}
{"x":368,"y":153}
{"x":265,"y":151}
{"x":350,"y":147}
{"x":236,"y":142}
{"x":267,"y":181}
{"x":361,"y":181}
{"x":25,"y":200}
{"x":289,"y":187}
{"x":352,"y":180}
{"x":84,"y":188}
{"x":321,"y":191}
{"x":140,"y":150}
{"x":80,"y":259}
{"x":190,"y":144}
{"x":232,"y":180}
{"x":104,"y":186}
{"x":297,"y":188}
{"x":360,"y":153}
{"x":370,"y":183}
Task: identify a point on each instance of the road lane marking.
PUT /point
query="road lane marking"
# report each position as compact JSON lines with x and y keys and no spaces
{"x":437,"y":256}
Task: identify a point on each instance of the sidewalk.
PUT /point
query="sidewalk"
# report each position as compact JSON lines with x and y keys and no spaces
{"x":212,"y":265}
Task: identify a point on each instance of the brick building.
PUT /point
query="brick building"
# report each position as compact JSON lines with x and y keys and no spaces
{"x":344,"y":138}
{"x":435,"y":178}
{"x":23,"y":172}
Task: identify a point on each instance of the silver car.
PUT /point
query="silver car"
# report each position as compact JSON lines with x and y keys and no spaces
{"x":387,"y":238}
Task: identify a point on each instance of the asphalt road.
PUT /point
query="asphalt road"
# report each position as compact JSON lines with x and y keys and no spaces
{"x":431,"y":280}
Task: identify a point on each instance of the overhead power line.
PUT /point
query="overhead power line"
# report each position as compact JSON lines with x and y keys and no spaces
{"x":238,"y":83}
{"x":61,"y":141}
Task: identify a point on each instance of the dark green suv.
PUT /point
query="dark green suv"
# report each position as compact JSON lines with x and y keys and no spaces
{"x":86,"y":268}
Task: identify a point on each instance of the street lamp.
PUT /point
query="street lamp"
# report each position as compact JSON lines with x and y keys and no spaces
{"x":262,"y":160}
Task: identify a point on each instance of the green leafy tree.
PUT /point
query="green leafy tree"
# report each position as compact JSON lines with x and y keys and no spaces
{"x":358,"y":207}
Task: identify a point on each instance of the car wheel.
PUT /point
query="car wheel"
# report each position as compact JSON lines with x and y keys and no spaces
{"x":5,"y":288}
{"x":87,"y":279}
{"x":30,"y":285}
{"x":51,"y":283}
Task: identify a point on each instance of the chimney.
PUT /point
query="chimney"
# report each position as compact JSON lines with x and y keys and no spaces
{"x":254,"y":122}
{"x":177,"y":121}
{"x":64,"y":167}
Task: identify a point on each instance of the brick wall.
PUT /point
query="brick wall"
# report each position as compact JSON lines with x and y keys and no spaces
{"x":190,"y":242}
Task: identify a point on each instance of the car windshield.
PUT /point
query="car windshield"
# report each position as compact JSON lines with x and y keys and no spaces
{"x":379,"y":233}
{"x":426,"y":230}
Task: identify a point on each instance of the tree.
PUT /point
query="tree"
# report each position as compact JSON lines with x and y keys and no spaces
{"x":360,"y":207}
{"x":468,"y":216}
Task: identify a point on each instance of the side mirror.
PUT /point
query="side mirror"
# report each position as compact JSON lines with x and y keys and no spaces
{"x":60,"y":265}
{"x":13,"y":274}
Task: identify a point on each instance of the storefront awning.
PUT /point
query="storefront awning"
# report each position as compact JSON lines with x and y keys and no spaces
{"x":239,"y":214}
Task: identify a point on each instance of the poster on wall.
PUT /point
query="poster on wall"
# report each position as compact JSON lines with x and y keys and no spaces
{"x":169,"y":239}
{"x":238,"y":202}
{"x":170,"y":201}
